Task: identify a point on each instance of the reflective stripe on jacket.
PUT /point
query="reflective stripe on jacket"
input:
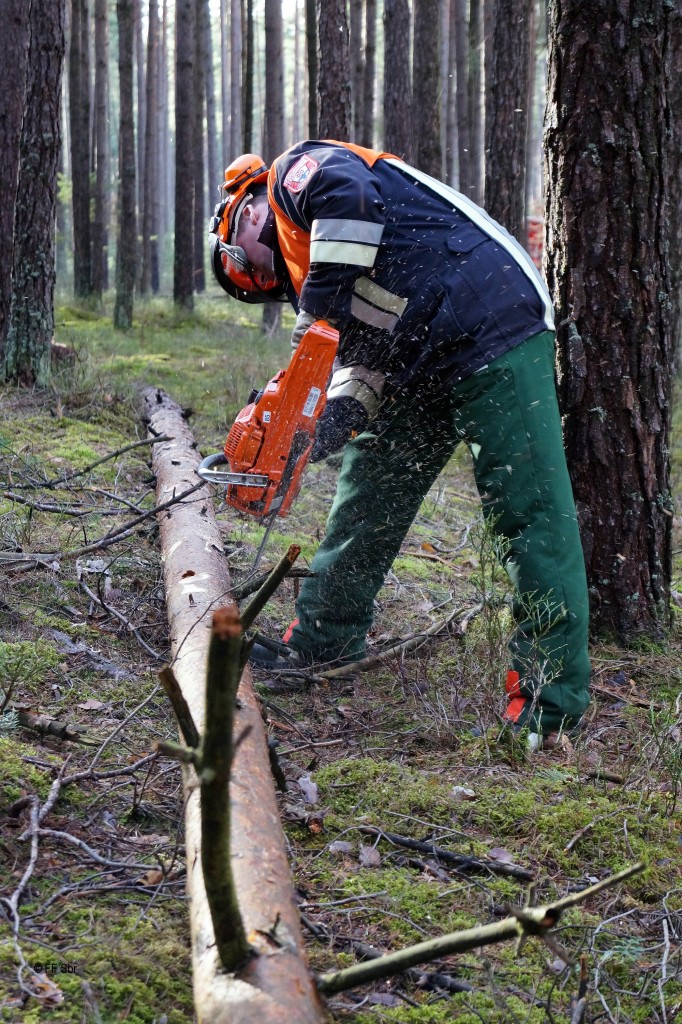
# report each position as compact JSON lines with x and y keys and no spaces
{"x":421,"y":281}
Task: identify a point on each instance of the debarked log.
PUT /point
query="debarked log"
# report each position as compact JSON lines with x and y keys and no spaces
{"x":275,"y":987}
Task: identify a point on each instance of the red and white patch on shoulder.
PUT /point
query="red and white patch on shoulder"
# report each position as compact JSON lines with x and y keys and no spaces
{"x":299,"y":174}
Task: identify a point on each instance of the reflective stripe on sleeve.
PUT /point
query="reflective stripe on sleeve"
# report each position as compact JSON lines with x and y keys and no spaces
{"x":363,"y":231}
{"x":376,"y":306}
{"x":353,"y":253}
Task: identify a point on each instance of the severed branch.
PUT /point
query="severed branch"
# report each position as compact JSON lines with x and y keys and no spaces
{"x":272,"y":581}
{"x":462,"y":862}
{"x":68,"y":477}
{"x":171,"y":687}
{"x":113,"y":537}
{"x":535,"y":921}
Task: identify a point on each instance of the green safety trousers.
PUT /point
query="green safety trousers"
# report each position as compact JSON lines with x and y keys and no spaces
{"x":508,"y":416}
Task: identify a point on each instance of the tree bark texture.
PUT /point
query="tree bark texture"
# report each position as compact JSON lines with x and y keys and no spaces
{"x":14,"y":36}
{"x":313,"y":65}
{"x":247,"y":81}
{"x":507,"y":116}
{"x":357,"y":67}
{"x":426,"y":87}
{"x":608,"y":135}
{"x":151,"y":170}
{"x":273,"y":118}
{"x":462,"y":95}
{"x":369,"y":85}
{"x":183,"y":265}
{"x":31,"y":316}
{"x":200,"y":210}
{"x":100,"y":224}
{"x":333,"y":83}
{"x":126,"y":255}
{"x":214,"y":171}
{"x":79,"y":117}
{"x":275,"y":987}
{"x":476,"y":49}
{"x":397,"y":85}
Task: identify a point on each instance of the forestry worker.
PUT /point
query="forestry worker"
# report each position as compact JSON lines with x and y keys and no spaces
{"x":446,"y":335}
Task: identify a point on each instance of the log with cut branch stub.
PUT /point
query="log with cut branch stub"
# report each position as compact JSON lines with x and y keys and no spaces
{"x":276,"y":986}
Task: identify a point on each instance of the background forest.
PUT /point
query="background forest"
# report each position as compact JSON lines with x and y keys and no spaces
{"x":117,"y":120}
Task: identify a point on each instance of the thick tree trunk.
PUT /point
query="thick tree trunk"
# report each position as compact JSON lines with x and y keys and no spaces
{"x":183,"y":266}
{"x":426,"y":87}
{"x":150,"y":185}
{"x":13,"y":59}
{"x":126,"y":257}
{"x":608,"y":216}
{"x":357,"y":67}
{"x":313,"y":65}
{"x":246,"y":145}
{"x":273,"y":120}
{"x":215,"y":176}
{"x":100,"y":224}
{"x":273,"y":988}
{"x":333,"y":84}
{"x":199,"y":139}
{"x":79,"y":115}
{"x":463,"y":123}
{"x":31,"y":316}
{"x":506,"y":115}
{"x":397,"y":86}
{"x":369,"y":84}
{"x":475,"y":190}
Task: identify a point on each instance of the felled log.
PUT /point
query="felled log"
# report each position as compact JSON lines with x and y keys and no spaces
{"x":275,"y":987}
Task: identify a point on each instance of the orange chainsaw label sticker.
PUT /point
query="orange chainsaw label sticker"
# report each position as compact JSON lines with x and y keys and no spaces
{"x":298,"y":176}
{"x":311,"y":401}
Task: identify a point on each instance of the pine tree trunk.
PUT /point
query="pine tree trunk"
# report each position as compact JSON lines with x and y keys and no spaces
{"x":126,"y":256}
{"x":475,"y":190}
{"x":14,"y":39}
{"x":397,"y":86}
{"x":150,"y":184}
{"x":450,"y":94}
{"x":214,"y":174}
{"x":79,"y":115}
{"x":141,"y":107}
{"x":225,"y":73}
{"x":198,"y":143}
{"x":31,"y":314}
{"x":369,"y":86}
{"x":183,"y":265}
{"x":506,"y":115}
{"x":245,"y":144}
{"x":426,"y":87}
{"x":273,"y":133}
{"x":313,"y":66}
{"x":100,"y":226}
{"x":333,"y":85}
{"x":463,"y":122}
{"x":608,"y":133}
{"x":357,"y":67}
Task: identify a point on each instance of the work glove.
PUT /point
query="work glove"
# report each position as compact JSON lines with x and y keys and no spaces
{"x":353,"y":400}
{"x":342,"y":418}
{"x":305,"y":320}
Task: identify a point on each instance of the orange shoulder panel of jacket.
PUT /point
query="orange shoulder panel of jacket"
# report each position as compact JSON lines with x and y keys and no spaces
{"x":294,"y":242}
{"x":370,"y":156}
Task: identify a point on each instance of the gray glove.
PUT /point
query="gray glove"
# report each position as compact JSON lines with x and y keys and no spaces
{"x":353,"y":400}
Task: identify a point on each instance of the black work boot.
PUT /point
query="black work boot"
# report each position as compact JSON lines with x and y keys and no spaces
{"x":274,"y":654}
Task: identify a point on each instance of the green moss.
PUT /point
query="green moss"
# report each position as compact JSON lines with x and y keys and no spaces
{"x":19,"y":776}
{"x":364,"y":786}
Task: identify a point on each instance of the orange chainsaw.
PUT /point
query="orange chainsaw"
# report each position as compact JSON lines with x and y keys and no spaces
{"x":270,"y":442}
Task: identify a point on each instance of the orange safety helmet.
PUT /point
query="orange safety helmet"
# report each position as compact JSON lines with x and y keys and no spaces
{"x":245,"y":178}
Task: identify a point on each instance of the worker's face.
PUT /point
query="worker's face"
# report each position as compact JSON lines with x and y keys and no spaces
{"x":259,"y":256}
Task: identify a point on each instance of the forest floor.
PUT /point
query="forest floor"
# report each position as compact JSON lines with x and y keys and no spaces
{"x":94,"y":924}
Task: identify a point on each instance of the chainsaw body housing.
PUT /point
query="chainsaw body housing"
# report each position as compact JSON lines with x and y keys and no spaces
{"x":272,"y":437}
